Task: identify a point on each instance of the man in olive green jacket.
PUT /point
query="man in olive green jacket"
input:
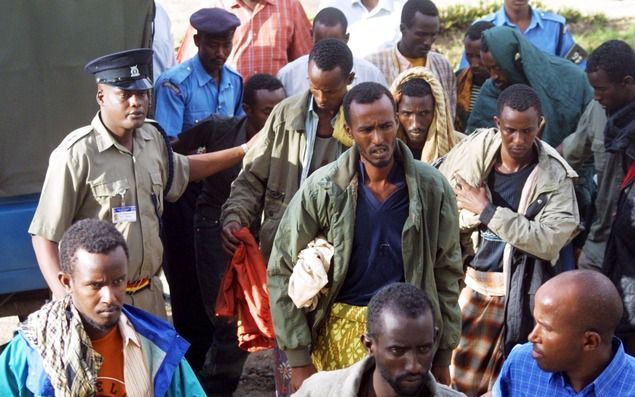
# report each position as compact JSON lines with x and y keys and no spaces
{"x":286,"y":151}
{"x":326,"y":204}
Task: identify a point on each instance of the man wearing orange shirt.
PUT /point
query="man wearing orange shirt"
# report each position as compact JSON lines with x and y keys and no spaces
{"x":89,"y":343}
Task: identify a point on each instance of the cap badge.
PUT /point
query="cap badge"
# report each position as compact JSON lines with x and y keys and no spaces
{"x":134,"y":71}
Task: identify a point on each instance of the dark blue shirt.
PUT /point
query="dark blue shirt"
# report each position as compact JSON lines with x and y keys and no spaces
{"x":376,"y":259}
{"x":521,"y":376}
{"x":506,"y":190}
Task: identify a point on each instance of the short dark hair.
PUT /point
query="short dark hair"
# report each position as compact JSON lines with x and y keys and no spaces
{"x":331,"y":16}
{"x":260,"y":81}
{"x":364,"y":93}
{"x":484,"y":45}
{"x":328,"y":54}
{"x":519,"y":97}
{"x":93,"y":236}
{"x":418,"y":88}
{"x":475,"y":31}
{"x":402,"y":298}
{"x":615,"y":57}
{"x":425,"y":7}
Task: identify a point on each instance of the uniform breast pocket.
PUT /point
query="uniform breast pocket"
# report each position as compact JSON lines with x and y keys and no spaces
{"x":111,"y":194}
{"x":157,"y":190}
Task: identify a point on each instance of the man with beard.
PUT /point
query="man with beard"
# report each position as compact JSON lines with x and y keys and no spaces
{"x":419,"y":27}
{"x":400,"y":336}
{"x":471,"y":78}
{"x":390,"y":219}
{"x":424,"y":115}
{"x":119,"y":169}
{"x":572,"y":349}
{"x":89,"y":343}
{"x":517,"y":210}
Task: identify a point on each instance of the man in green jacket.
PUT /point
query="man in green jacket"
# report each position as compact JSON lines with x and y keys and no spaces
{"x":389,"y":218}
{"x":301,"y":134}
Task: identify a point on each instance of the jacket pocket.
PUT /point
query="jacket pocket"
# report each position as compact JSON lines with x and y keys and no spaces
{"x":157,"y":190}
{"x":112,"y":194}
{"x":274,"y":204}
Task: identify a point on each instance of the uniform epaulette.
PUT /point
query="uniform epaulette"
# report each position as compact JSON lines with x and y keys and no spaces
{"x":488,"y":18}
{"x":179,"y":74}
{"x":75,"y":136}
{"x":552,"y":17}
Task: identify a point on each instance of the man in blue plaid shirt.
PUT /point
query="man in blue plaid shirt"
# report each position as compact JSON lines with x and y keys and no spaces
{"x":572,"y":350}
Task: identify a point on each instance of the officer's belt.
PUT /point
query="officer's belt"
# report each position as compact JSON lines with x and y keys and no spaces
{"x":137,"y":285}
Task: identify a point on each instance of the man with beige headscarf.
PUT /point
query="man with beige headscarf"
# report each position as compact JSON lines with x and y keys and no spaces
{"x":424,"y":115}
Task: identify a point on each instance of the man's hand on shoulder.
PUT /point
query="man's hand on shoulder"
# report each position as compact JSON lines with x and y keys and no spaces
{"x":230,"y":242}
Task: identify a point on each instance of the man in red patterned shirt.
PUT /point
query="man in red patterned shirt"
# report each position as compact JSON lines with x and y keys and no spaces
{"x":271,"y":34}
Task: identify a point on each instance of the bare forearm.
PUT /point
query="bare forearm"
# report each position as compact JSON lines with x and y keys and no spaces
{"x":47,"y":255}
{"x":204,"y":165}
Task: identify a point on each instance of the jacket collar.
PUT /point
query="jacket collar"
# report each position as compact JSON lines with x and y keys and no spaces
{"x":297,"y":110}
{"x":345,"y":170}
{"x":484,"y":146}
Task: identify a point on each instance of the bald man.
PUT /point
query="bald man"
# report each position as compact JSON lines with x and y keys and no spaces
{"x":572,"y":349}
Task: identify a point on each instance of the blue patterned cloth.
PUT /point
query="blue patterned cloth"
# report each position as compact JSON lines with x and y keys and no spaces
{"x":521,"y":376}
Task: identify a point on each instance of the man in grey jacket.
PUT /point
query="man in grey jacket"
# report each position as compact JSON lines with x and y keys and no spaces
{"x":517,"y":202}
{"x":400,"y":340}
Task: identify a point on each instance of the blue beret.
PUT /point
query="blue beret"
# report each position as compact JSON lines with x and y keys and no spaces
{"x":214,"y":21}
{"x":129,"y":70}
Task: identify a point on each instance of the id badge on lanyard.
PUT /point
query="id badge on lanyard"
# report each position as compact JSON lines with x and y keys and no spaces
{"x":124,"y":213}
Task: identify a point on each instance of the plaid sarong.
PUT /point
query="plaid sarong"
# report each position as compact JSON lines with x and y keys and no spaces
{"x":477,"y":361}
{"x":338,"y":344}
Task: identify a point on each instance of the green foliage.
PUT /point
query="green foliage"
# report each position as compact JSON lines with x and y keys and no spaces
{"x":460,"y":16}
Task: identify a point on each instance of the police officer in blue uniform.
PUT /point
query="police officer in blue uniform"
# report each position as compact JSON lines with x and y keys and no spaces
{"x":546,"y":30}
{"x":203,"y":85}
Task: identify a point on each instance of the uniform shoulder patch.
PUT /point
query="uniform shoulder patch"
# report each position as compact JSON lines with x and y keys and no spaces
{"x":75,"y":136}
{"x":171,"y":86}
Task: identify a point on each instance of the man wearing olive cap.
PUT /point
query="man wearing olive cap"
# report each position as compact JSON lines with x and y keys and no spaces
{"x":118,"y":169}
{"x":203,"y":85}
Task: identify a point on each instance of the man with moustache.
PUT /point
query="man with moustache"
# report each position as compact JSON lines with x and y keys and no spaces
{"x":424,"y":115}
{"x":399,"y":338}
{"x":517,"y":210}
{"x":572,"y":350}
{"x":118,"y":169}
{"x":203,"y":85}
{"x":89,"y":343}
{"x":390,"y":219}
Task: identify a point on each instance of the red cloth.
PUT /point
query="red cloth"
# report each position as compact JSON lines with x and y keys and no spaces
{"x":243,"y":293}
{"x":271,"y":35}
{"x":630,"y":174}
